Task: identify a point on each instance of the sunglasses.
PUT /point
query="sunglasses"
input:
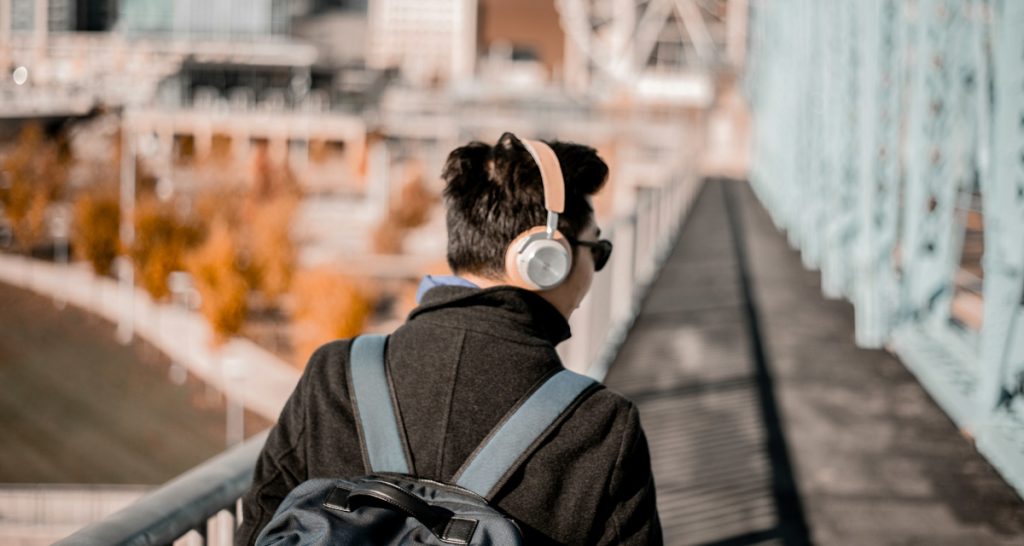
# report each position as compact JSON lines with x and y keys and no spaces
{"x":600,"y":250}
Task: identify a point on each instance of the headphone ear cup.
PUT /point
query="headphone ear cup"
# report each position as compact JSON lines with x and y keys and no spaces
{"x":512,"y":262}
{"x":535,"y":262}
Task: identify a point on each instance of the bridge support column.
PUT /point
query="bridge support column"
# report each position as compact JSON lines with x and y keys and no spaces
{"x":736,"y":29}
{"x":1002,"y":336}
{"x":5,"y":37}
{"x":277,"y":147}
{"x":241,"y":144}
{"x":378,"y":188}
{"x":41,"y":22}
{"x":125,"y":272}
{"x":203,"y":137}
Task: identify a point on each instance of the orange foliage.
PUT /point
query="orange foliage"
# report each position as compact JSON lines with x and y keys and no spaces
{"x":269,"y":211}
{"x":361,"y":158}
{"x":414,"y":202}
{"x":97,"y":220}
{"x":34,"y":174}
{"x":219,"y":201}
{"x":222,"y":286}
{"x":270,"y":180}
{"x":272,"y":252}
{"x":405,"y":298}
{"x":161,"y":241}
{"x":410,"y":211}
{"x":387,"y":238}
{"x":328,"y":306}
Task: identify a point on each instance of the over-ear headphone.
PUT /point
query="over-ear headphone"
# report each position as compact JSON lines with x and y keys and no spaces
{"x":540,"y":258}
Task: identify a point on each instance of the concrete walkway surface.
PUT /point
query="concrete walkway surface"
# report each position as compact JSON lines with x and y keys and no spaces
{"x":767,"y":424}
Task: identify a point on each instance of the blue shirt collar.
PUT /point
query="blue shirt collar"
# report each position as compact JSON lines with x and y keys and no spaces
{"x":431,"y":281}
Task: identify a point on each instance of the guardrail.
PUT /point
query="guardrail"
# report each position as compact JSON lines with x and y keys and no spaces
{"x":202,"y":504}
{"x":888,"y":138}
{"x":37,"y":513}
{"x":641,"y":241}
{"x":204,"y":501}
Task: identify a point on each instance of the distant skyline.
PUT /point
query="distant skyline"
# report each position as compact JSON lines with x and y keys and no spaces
{"x":218,"y":16}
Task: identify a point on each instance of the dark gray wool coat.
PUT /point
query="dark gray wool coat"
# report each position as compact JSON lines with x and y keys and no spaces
{"x":460,"y":362}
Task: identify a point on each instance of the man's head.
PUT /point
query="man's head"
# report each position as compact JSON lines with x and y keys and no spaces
{"x":494,"y":193}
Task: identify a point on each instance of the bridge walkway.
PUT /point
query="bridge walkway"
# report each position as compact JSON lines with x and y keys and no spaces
{"x":767,"y":425}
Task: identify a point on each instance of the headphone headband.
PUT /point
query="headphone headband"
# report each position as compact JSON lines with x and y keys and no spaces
{"x":550,"y":174}
{"x":540,"y":258}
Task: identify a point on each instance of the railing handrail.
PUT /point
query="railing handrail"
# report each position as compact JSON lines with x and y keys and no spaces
{"x":183,"y":504}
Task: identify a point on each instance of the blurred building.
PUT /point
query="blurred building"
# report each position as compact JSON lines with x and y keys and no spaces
{"x":58,"y":14}
{"x":429,"y":40}
{"x":311,"y":83}
{"x":61,"y":15}
{"x":206,"y":18}
{"x":521,"y":44}
{"x":338,"y":28}
{"x":95,"y":15}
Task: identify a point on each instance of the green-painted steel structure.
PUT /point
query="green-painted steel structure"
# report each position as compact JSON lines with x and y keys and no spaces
{"x":889,"y":144}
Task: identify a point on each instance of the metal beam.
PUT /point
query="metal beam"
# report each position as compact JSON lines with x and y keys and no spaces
{"x":872,"y":121}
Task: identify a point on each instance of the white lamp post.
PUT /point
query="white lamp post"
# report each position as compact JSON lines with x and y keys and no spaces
{"x":148,"y":145}
{"x":234,"y":376}
{"x":125,"y":271}
{"x":59,"y":232}
{"x":180,"y":285}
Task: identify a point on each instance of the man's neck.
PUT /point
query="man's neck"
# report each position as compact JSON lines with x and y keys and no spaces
{"x":482,"y":282}
{"x":550,"y":295}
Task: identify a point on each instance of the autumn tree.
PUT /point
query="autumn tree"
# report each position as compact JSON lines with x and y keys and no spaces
{"x":219,"y":279}
{"x":409,"y":211}
{"x":32,"y":176}
{"x":269,"y":211}
{"x":272,"y":252}
{"x":415,"y":200}
{"x":269,"y":180}
{"x":162,"y":239}
{"x":217,"y":202}
{"x":387,"y":238}
{"x":327,"y":306}
{"x":95,"y":236}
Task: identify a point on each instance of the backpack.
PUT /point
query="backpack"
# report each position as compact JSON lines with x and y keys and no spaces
{"x":391,"y":507}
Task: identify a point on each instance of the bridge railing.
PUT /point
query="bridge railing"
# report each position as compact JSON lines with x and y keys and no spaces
{"x":39,"y":513}
{"x":888,"y":144}
{"x":641,"y":242}
{"x":202,"y":506}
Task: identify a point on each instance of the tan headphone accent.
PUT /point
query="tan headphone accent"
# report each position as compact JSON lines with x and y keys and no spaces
{"x":550,"y":174}
{"x":554,"y":201}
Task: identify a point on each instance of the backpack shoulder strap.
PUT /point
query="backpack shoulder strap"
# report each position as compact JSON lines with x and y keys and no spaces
{"x":520,"y":432}
{"x":376,"y":415}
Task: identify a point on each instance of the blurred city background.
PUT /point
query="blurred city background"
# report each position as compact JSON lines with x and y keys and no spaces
{"x":817,"y":209}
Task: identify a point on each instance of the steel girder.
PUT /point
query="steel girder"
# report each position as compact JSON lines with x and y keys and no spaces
{"x":874,"y":122}
{"x":876,"y":285}
{"x":1000,"y":401}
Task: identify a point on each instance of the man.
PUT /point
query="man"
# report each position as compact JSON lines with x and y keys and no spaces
{"x":476,"y":345}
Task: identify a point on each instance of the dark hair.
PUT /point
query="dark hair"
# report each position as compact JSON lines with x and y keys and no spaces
{"x":494,"y":193}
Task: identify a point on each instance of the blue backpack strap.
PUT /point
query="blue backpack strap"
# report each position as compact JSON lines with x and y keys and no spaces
{"x":515,"y":437}
{"x":375,"y":413}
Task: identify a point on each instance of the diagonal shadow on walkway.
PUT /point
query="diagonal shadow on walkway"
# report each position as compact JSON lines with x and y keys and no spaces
{"x":696,"y":366}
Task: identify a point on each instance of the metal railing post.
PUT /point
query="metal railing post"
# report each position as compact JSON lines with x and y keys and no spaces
{"x":184,"y":504}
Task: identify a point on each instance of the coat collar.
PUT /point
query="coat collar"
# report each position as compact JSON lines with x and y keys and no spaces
{"x":513,"y":309}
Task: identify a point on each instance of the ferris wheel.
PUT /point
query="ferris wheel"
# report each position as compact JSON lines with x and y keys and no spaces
{"x":625,"y":38}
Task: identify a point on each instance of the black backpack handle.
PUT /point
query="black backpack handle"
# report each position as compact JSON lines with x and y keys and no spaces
{"x":398,"y":498}
{"x":441,"y":522}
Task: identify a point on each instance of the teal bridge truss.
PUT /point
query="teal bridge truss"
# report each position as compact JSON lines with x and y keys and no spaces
{"x":888,"y":143}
